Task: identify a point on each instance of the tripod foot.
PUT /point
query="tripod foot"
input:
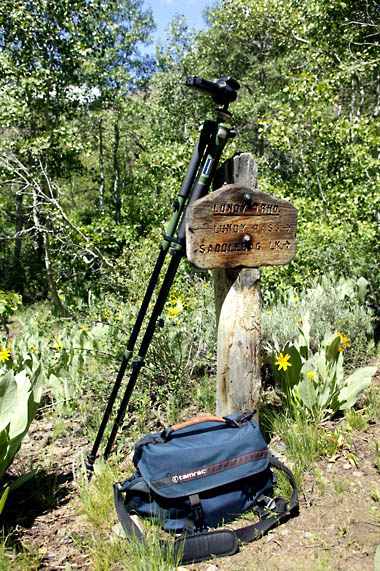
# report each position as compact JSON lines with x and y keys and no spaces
{"x":90,"y":462}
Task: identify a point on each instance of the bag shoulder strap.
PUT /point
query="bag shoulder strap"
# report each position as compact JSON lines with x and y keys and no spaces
{"x":293,"y":502}
{"x":127,"y":523}
{"x":202,"y":546}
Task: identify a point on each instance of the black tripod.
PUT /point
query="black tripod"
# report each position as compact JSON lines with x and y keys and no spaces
{"x":196,"y":183}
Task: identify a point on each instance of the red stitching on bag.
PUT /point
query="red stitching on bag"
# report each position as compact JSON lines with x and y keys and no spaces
{"x":260,"y":454}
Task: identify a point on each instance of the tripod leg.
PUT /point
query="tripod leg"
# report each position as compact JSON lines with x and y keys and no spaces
{"x":199,"y":189}
{"x":138,"y":362}
{"x":186,"y":187}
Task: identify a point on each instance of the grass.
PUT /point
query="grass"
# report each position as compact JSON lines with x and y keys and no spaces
{"x":355,"y":419}
{"x":339,"y":486}
{"x":303,"y":440}
{"x":107,"y":550}
{"x":44,"y":491}
{"x":373,"y":402}
{"x":306,"y":441}
{"x":17,"y":558}
{"x":333,"y":304}
{"x":205,"y":393}
{"x":170,"y":383}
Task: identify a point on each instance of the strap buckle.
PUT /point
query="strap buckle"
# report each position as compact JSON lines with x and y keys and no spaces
{"x":197,"y":512}
{"x":265,"y":506}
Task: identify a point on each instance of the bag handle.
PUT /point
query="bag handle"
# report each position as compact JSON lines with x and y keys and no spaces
{"x":165,"y":434}
{"x":197,"y":420}
{"x":236,"y":423}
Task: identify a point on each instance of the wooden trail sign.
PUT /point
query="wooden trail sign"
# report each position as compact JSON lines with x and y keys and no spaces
{"x":236,"y":234}
{"x":236,"y":226}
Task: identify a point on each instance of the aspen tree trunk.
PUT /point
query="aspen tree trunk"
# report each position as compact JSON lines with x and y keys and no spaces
{"x":101,"y":168}
{"x":116,"y":172}
{"x":61,"y":310}
{"x":17,"y":267}
{"x":42,"y":233}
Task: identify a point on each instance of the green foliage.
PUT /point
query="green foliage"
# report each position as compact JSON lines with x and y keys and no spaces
{"x":20,"y":395}
{"x":66,"y":371}
{"x":315,"y":380}
{"x":9,"y":303}
{"x":107,"y":542}
{"x":332,"y":303}
{"x":306,"y":110}
{"x":55,"y":66}
{"x":15,"y":558}
{"x":303,"y":440}
{"x":65,"y":353}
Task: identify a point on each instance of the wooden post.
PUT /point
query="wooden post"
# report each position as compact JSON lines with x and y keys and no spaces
{"x":238,"y":349}
{"x":237,"y":306}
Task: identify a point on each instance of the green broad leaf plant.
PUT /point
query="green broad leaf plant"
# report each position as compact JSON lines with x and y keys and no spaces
{"x":20,"y":395}
{"x":315,"y":381}
{"x":9,"y":303}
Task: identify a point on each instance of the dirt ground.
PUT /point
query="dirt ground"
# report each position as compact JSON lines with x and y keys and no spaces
{"x":338,"y":527}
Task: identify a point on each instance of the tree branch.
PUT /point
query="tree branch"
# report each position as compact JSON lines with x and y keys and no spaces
{"x":48,"y":198}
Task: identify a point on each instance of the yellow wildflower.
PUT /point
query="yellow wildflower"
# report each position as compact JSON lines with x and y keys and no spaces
{"x":177,"y":305}
{"x":179,"y":301}
{"x":283,"y":362}
{"x":269,"y":311}
{"x":5,"y":353}
{"x":105,"y":314}
{"x":173,"y":312}
{"x":310,"y":374}
{"x":84,"y":328}
{"x":344,"y":340}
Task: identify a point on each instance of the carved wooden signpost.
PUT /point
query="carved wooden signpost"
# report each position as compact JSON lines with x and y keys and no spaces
{"x":231,"y":230}
{"x":236,"y":226}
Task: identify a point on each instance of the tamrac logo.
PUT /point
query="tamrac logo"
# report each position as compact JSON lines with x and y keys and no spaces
{"x":188,"y":476}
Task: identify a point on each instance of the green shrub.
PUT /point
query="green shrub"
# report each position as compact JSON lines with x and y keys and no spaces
{"x":332,"y":304}
{"x":19,"y":398}
{"x":9,"y":303}
{"x":315,"y":380}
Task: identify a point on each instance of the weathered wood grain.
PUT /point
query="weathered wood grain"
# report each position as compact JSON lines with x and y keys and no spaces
{"x":236,"y":226}
{"x":238,"y":347}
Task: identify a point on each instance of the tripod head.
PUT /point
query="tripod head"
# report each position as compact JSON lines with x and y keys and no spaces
{"x":223,"y":91}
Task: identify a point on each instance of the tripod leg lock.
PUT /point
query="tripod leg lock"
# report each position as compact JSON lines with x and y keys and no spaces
{"x":137,"y":363}
{"x":173,"y":240}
